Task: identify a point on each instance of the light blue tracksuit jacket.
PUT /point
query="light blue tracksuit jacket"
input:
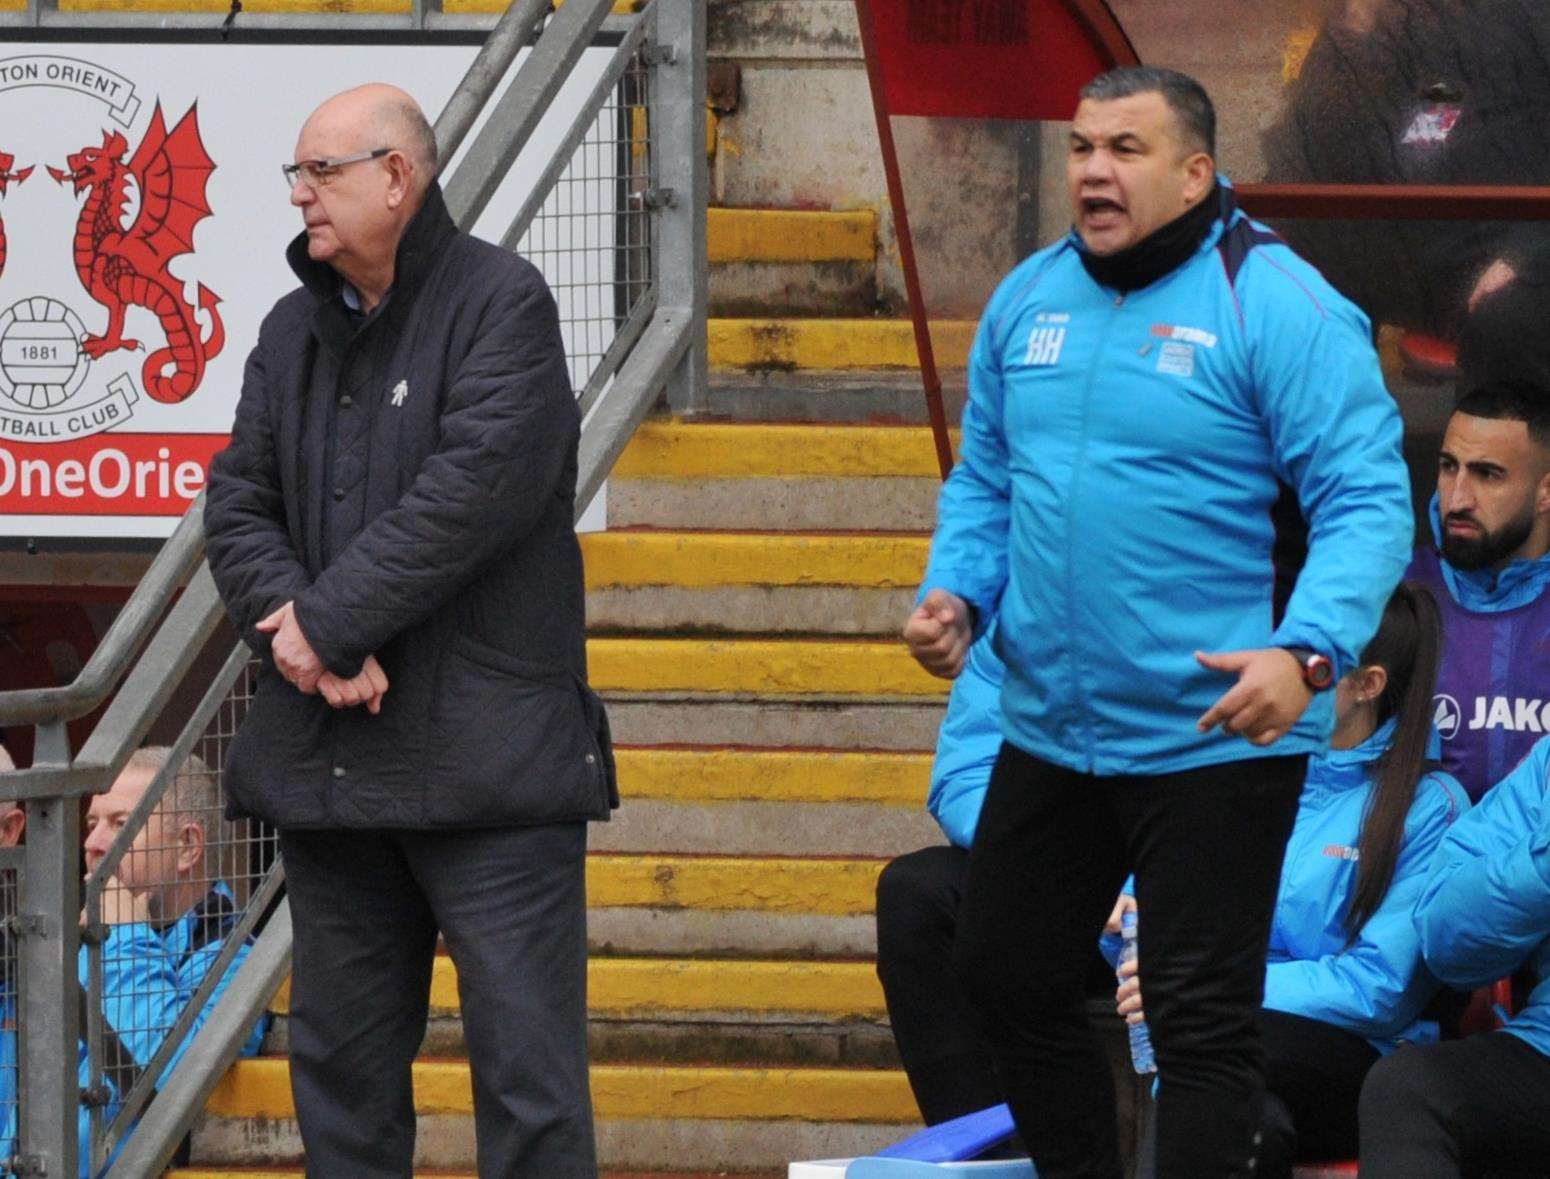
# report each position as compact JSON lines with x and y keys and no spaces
{"x":1485,"y":911}
{"x":967,"y":745}
{"x":149,"y":975}
{"x":1121,"y":454}
{"x":1376,"y":986}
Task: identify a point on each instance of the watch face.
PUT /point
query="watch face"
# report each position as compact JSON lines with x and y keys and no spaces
{"x":1319,"y":672}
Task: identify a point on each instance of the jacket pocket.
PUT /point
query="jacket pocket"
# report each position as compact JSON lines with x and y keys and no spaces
{"x":512,"y":741}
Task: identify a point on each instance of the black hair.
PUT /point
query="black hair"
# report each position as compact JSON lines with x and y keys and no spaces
{"x":1514,"y":400}
{"x":1407,"y":647}
{"x":1186,"y":98}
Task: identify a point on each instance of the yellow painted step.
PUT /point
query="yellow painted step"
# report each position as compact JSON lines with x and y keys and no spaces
{"x":356,"y":7}
{"x":833,"y":343}
{"x":465,"y":7}
{"x":773,"y":775}
{"x":667,"y":448}
{"x":790,"y":235}
{"x":650,"y":986}
{"x":261,"y":1088}
{"x":699,"y":560}
{"x":792,"y":667}
{"x":288,"y":1173}
{"x":809,"y":886}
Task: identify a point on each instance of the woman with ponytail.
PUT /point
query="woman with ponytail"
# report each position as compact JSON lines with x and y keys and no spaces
{"x":1344,"y":984}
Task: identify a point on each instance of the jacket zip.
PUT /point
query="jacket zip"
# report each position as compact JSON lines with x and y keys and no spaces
{"x":1072,"y":490}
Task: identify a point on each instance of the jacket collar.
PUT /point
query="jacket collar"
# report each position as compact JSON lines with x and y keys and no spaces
{"x":417,"y":252}
{"x":1490,"y":590}
{"x":1165,"y":249}
{"x":1341,"y":769}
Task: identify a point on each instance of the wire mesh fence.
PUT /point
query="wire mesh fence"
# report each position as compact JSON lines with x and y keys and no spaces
{"x":591,"y":237}
{"x":180,"y":890}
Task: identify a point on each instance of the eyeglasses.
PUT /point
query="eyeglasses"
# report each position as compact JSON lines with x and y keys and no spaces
{"x":317,"y":174}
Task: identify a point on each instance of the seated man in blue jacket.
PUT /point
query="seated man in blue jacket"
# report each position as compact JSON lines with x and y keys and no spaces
{"x":1490,"y":567}
{"x":1480,"y":1104}
{"x":167,"y":913}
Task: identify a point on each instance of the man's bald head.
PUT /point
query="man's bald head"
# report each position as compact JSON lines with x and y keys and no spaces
{"x":357,"y":212}
{"x":379,"y":115}
{"x":12,"y":820}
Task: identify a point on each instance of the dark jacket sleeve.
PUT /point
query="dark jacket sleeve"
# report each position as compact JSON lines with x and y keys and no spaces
{"x":509,"y":426}
{"x":251,"y":554}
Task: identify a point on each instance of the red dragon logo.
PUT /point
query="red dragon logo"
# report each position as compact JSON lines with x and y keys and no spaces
{"x":120,"y":267}
{"x":7,"y":162}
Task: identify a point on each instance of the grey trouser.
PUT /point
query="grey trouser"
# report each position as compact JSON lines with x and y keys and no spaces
{"x":511,"y":906}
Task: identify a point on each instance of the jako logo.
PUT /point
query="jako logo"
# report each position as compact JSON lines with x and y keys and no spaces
{"x":1044,"y":345}
{"x":1446,"y":717}
{"x":1515,"y":715}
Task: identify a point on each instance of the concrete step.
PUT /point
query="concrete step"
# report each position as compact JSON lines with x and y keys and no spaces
{"x":784,"y":344}
{"x":438,"y":1173}
{"x":288,"y":1173}
{"x":648,"y":1115}
{"x":794,"y":669}
{"x":776,"y":477}
{"x":769,"y":802}
{"x":732,"y":906}
{"x":785,"y":262}
{"x":838,"y":724}
{"x":698,"y":1011}
{"x":879,"y":396}
{"x":758,"y":582}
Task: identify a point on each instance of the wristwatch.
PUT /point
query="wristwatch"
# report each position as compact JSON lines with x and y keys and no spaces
{"x":1317,"y":670}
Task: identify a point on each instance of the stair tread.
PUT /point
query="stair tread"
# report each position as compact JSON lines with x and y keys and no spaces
{"x":260,"y":1088}
{"x":644,"y":986}
{"x":808,"y":666}
{"x":674,"y":449}
{"x":701,"y":559}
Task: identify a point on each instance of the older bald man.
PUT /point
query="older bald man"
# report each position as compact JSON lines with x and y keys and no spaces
{"x":391,"y":529}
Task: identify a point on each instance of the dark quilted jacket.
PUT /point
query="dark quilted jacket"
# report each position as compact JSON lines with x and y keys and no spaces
{"x":408,"y":480}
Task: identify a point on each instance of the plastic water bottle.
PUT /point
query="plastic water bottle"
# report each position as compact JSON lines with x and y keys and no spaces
{"x":1140,"y":1039}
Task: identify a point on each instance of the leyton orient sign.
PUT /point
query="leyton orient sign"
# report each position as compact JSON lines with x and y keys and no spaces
{"x":143,"y":221}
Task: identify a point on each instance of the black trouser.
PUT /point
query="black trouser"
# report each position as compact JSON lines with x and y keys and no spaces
{"x":511,"y":905}
{"x":940,"y":1039}
{"x":1313,"y":1078}
{"x":941,"y":1043}
{"x":1475,"y":1106}
{"x":1050,"y":853}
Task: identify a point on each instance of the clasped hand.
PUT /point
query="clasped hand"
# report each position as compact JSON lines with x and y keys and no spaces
{"x":300,"y":665}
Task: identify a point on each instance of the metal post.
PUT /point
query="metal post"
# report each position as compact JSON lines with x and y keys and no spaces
{"x":678,"y":154}
{"x":48,"y":931}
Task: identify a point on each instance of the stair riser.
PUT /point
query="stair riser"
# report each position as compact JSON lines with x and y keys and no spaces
{"x":828,"y":396}
{"x":663,"y":720}
{"x":647,"y":1144}
{"x":735,"y":1039}
{"x":755,"y":828}
{"x":750,"y":609}
{"x":709,"y":933}
{"x":758,"y":289}
{"x":776,"y":504}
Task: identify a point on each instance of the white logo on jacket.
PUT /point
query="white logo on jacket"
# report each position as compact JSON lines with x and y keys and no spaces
{"x":400,"y":391}
{"x":1044,"y":346}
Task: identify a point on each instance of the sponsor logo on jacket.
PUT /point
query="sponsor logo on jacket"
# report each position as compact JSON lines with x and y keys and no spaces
{"x":1047,"y":338}
{"x":1339,"y":851}
{"x":1514,"y":714}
